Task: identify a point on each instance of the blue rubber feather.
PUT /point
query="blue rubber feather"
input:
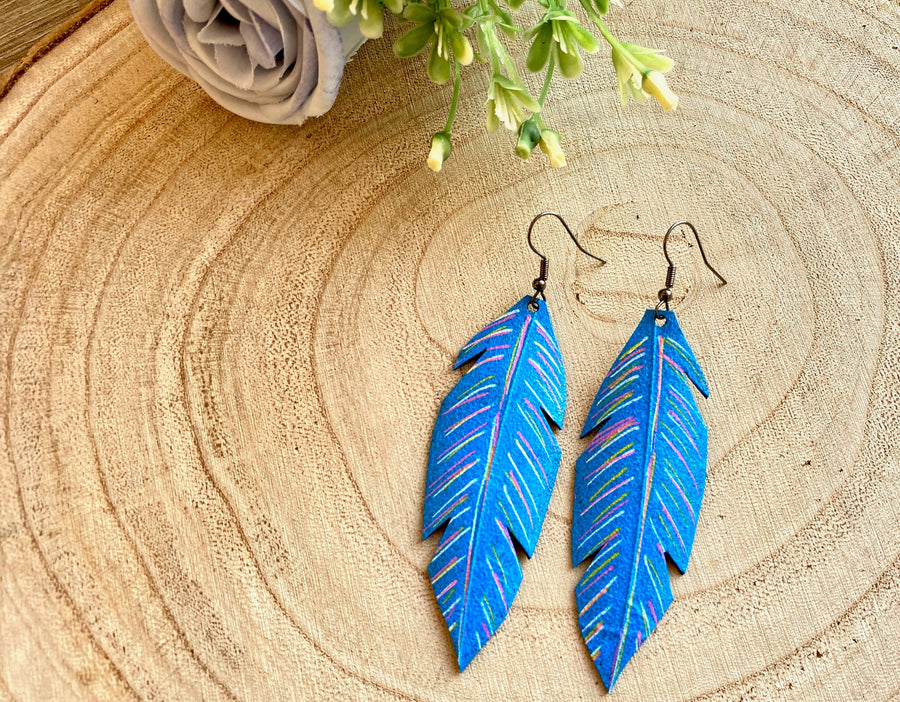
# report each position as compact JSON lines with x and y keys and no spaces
{"x":491,"y":467}
{"x":638,"y":489}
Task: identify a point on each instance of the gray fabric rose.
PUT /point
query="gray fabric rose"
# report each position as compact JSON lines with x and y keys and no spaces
{"x":275,"y":61}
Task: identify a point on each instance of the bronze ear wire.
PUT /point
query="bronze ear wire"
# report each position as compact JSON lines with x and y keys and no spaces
{"x":540,"y":283}
{"x":665,"y":295}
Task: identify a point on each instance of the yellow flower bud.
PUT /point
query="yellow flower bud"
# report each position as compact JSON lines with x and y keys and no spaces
{"x":492,"y":122}
{"x":550,"y":145}
{"x":654,"y":84}
{"x":462,"y":48}
{"x":324,"y":5}
{"x":440,"y":151}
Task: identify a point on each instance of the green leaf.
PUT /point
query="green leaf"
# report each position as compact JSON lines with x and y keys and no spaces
{"x":418,"y":13}
{"x":414,"y":40}
{"x":339,"y":18}
{"x":484,"y":48}
{"x":340,"y":14}
{"x":505,"y":18}
{"x":454,"y":17}
{"x":653,"y":59}
{"x":539,"y":52}
{"x":509,"y":30}
{"x":570,"y":65}
{"x":371,"y":21}
{"x":438,"y":66}
{"x":602,"y":5}
{"x":559,"y":14}
{"x":584,"y":38}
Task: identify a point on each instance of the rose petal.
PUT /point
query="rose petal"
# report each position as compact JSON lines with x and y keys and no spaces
{"x":270,"y":10}
{"x":263,"y":41}
{"x":234,"y":63}
{"x":274,"y":61}
{"x":200,"y":10}
{"x":215,"y":31}
{"x":238,"y":10}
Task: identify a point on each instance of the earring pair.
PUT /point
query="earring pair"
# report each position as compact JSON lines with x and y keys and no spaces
{"x":493,"y":461}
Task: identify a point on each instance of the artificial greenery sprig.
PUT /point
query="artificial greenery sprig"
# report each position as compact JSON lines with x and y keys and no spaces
{"x":556,"y":44}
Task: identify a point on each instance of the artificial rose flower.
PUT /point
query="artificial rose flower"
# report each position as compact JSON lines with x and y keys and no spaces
{"x":275,"y":61}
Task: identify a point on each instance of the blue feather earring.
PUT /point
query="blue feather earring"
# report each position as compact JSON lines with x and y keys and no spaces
{"x":639,"y":484}
{"x":492,"y":464}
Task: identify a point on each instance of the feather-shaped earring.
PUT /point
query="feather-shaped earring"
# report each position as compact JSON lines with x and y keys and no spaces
{"x":492,"y":464}
{"x":639,"y":484}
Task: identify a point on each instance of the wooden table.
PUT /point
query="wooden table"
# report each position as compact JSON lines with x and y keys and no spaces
{"x":224,"y":346}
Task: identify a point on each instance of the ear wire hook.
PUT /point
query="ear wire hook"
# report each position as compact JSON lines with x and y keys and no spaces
{"x":666,"y":293}
{"x":540,"y":283}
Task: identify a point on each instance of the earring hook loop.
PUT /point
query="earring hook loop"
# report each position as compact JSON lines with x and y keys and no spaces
{"x":540,"y":283}
{"x":666,"y":293}
{"x":568,"y":230}
{"x":699,"y":245}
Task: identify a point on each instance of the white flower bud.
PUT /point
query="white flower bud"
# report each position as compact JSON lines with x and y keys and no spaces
{"x":654,"y":84}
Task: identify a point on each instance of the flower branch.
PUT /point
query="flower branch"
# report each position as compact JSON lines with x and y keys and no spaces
{"x":557,"y":42}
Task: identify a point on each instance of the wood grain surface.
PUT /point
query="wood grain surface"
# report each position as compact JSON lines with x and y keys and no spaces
{"x":23,"y":22}
{"x":224,"y":345}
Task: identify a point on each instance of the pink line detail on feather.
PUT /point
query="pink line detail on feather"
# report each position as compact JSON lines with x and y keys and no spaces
{"x":450,"y":469}
{"x":452,"y":540}
{"x":674,"y":415}
{"x":672,"y":522}
{"x":459,"y":441}
{"x":447,"y":589}
{"x":609,"y":433}
{"x":549,"y":384}
{"x":608,"y":492}
{"x":487,"y":359}
{"x":611,"y":461}
{"x":464,"y":402}
{"x":684,"y":498}
{"x":550,"y":342}
{"x":500,"y":590}
{"x":534,"y":456}
{"x":672,"y":362}
{"x":588,"y":584}
{"x":600,"y":411}
{"x":549,"y":367}
{"x":684,"y":462}
{"x":466,"y":419}
{"x":617,"y":366}
{"x":438,"y":488}
{"x":442,"y":571}
{"x":522,"y":495}
{"x":438,"y":519}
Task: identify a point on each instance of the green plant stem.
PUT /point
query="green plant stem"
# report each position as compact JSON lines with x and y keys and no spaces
{"x":538,"y":119}
{"x":498,"y":57}
{"x":611,"y":38}
{"x":455,"y":101}
{"x":547,"y":79}
{"x":491,"y":41}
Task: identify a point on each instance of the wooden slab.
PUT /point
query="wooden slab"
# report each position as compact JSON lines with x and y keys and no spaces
{"x":23,"y":22}
{"x":224,"y":345}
